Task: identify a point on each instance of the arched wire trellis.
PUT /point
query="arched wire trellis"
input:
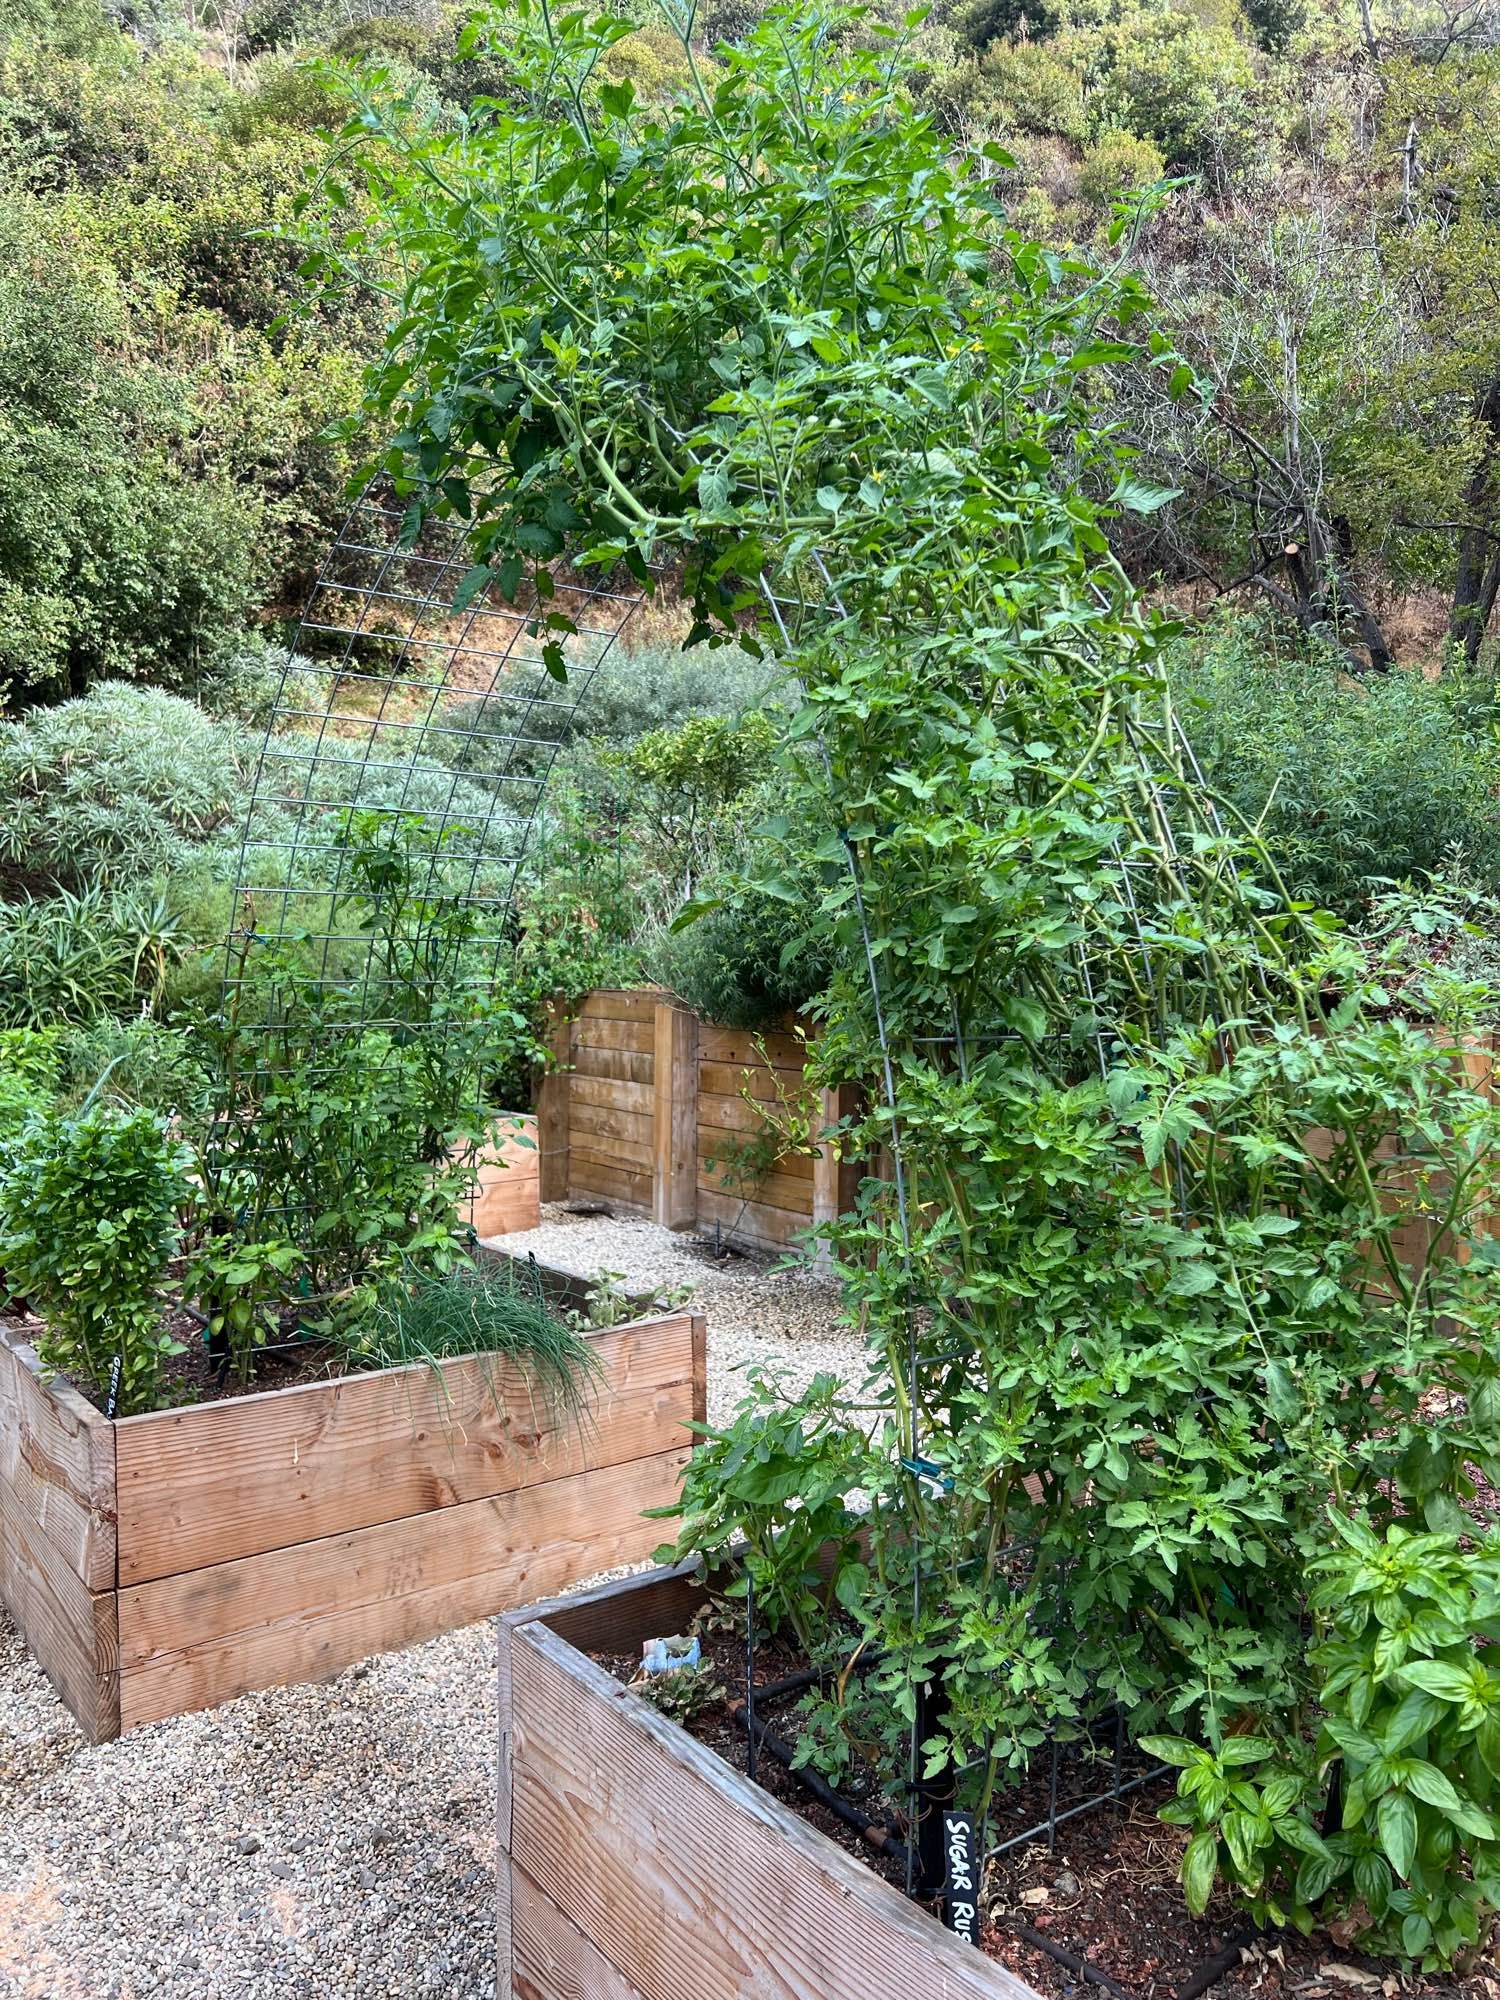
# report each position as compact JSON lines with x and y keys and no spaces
{"x":404,"y":695}
{"x":413,"y":702}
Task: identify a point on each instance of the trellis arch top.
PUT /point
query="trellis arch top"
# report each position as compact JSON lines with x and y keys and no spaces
{"x":405,"y":696}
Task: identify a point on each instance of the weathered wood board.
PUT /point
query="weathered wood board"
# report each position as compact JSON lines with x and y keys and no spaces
{"x":253,"y":1473}
{"x":57,"y":1533}
{"x":635,"y":1864}
{"x":304,"y":1612}
{"x":507,"y":1191}
{"x":645,"y":1096}
{"x":173,"y":1560}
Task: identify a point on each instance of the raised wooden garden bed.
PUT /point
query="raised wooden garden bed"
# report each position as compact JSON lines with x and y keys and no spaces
{"x":171,"y":1561}
{"x":635,"y":1864}
{"x":507,"y":1189}
{"x":646,"y":1099}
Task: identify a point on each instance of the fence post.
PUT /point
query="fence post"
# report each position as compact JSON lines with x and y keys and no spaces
{"x":674,"y":1178}
{"x":552,"y":1108}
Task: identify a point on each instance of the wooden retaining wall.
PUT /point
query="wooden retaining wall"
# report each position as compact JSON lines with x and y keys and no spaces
{"x":636,"y":1864}
{"x":171,"y":1561}
{"x":645,"y":1097}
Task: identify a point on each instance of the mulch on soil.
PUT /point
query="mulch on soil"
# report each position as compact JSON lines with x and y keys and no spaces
{"x":194,"y":1376}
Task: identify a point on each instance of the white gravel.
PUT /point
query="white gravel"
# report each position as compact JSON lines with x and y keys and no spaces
{"x":760,"y":1310}
{"x":330,"y":1842}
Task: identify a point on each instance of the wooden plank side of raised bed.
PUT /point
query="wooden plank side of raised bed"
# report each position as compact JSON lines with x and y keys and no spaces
{"x":687,"y":1878}
{"x":303,"y":1613}
{"x":621,"y":1065}
{"x":610,"y":1003}
{"x":743,"y":1048}
{"x":72,"y":1631}
{"x":610,"y":1094}
{"x":721,"y":1147}
{"x":551,"y":1959}
{"x":735,"y":1080}
{"x":67,"y":1450}
{"x":241,"y":1477}
{"x":631,"y":1038}
{"x":588,"y":1175}
{"x":772,"y":1228}
{"x":57,"y":1534}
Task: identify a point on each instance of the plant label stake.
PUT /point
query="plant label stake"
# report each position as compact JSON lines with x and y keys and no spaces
{"x":112,"y":1394}
{"x":961,"y":1886}
{"x":933,"y":1797}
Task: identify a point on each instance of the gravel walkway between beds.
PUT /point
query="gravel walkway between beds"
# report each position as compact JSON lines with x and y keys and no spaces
{"x":760,"y":1310}
{"x":333,"y":1842}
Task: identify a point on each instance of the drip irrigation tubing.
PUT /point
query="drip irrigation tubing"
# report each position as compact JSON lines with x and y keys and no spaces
{"x":889,"y":1843}
{"x":1070,"y":1961}
{"x":1215,"y":1967}
{"x":869,"y":1829}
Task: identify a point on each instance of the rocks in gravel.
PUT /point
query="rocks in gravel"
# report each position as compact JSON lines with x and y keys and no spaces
{"x":251,"y":1843}
{"x":760,"y":1312}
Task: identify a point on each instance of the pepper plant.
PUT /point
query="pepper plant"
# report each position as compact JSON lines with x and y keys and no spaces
{"x":1181,"y":1274}
{"x":351,"y":1059}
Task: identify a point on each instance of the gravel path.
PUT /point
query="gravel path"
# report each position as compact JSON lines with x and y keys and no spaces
{"x":330,"y":1842}
{"x":782,"y":1318}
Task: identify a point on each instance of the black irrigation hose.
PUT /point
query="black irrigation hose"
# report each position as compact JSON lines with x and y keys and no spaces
{"x":1216,"y":1967}
{"x":1079,"y":1967}
{"x":868,"y":1828}
{"x":889,"y":1844}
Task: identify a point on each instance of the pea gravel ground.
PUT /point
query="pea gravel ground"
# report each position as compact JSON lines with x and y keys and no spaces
{"x":332,"y":1842}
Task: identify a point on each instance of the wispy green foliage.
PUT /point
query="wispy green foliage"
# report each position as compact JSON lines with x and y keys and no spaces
{"x":476,"y":1310}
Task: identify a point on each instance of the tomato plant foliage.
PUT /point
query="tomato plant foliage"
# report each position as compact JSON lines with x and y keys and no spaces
{"x":1182,"y":1280}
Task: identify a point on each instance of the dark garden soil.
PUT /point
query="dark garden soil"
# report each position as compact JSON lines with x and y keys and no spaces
{"x":195,"y":1377}
{"x":1106,"y":1893}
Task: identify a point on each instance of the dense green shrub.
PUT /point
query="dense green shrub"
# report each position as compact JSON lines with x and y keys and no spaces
{"x":638,"y":688}
{"x":137,"y":1062}
{"x":752,"y":960}
{"x":1352,"y":783}
{"x":680,"y":783}
{"x":88,"y":1224}
{"x":30,"y":1068}
{"x":165,"y":463}
{"x":123,"y":783}
{"x":1016,"y":87}
{"x":1117,"y":162}
{"x":258,"y":680}
{"x":114,"y":559}
{"x":1179,"y":80}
